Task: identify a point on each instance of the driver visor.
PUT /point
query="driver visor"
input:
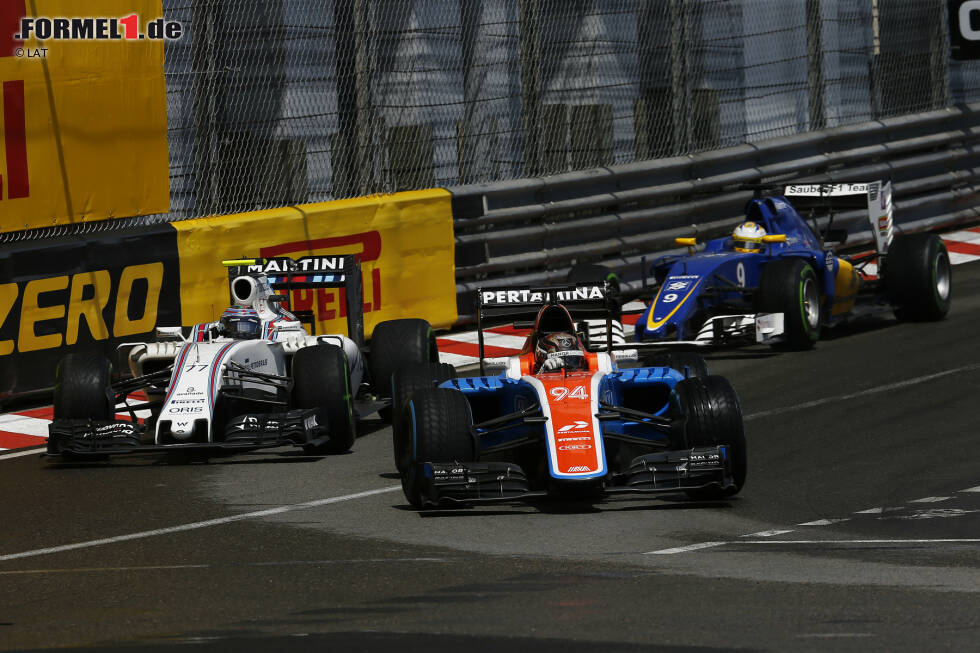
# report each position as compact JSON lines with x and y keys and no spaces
{"x":748,"y":245}
{"x":245,"y":327}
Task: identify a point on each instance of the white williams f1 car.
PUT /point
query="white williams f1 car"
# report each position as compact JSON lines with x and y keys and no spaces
{"x":254,"y":378}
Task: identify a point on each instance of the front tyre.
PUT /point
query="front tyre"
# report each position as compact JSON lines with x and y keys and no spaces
{"x":405,"y":383}
{"x":395,"y":344}
{"x":439,"y":424}
{"x":918,"y":277}
{"x":714,"y":417}
{"x":82,"y":388}
{"x":321,"y":380}
{"x":790,"y":286}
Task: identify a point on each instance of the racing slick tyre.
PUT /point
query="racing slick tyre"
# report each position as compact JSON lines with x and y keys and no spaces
{"x":714,"y":417}
{"x":397,"y":343}
{"x":692,"y":365}
{"x":438,"y":422}
{"x":321,"y":380}
{"x":404,"y":383}
{"x":790,"y":286}
{"x":918,"y":277}
{"x":82,"y":388}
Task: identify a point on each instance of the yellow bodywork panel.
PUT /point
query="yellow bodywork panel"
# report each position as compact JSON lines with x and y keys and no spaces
{"x":845,"y":288}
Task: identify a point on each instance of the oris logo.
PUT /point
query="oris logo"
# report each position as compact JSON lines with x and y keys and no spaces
{"x":574,"y":447}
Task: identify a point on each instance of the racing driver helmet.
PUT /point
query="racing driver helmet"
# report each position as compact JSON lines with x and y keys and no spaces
{"x":747,"y":237}
{"x":241,"y":324}
{"x":563,"y":349}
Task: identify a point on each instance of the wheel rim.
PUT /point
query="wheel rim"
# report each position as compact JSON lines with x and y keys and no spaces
{"x":942,"y":275}
{"x":811,"y":303}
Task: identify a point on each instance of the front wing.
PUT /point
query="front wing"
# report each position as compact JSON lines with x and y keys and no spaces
{"x":666,"y":471}
{"x":80,"y":438}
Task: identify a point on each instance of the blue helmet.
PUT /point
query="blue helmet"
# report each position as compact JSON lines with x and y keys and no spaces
{"x":241,"y":324}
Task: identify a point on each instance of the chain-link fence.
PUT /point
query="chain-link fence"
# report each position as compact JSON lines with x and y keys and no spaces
{"x":276,"y":102}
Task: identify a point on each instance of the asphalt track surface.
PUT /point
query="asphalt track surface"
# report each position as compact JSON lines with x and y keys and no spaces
{"x":858,"y":529}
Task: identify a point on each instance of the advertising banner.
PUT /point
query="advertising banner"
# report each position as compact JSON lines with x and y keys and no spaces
{"x":405,"y":241}
{"x":83,"y":122}
{"x":76,"y":294}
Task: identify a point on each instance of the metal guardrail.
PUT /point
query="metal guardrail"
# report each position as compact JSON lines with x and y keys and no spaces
{"x":534,"y":230}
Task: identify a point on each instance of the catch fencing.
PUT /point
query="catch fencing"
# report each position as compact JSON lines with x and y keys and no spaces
{"x":280,"y":102}
{"x":290,"y":101}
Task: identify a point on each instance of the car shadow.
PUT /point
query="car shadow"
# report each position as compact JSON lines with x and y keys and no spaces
{"x":369,"y":426}
{"x":570,"y":507}
{"x":859,"y":326}
{"x":184,"y":459}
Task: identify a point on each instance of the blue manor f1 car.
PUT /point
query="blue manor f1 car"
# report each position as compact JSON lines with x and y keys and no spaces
{"x":775,"y":280}
{"x":562,"y":420}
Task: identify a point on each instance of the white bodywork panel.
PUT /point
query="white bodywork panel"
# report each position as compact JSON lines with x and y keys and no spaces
{"x":879,"y":197}
{"x":200,"y":370}
{"x":769,"y":327}
{"x":764,"y":327}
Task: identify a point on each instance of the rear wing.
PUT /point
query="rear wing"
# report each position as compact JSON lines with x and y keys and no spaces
{"x":284,"y":273}
{"x":873,"y":196}
{"x":510,"y":304}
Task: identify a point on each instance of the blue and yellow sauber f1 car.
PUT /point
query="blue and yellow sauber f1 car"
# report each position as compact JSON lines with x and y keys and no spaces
{"x":581,"y":431}
{"x":789,"y":283}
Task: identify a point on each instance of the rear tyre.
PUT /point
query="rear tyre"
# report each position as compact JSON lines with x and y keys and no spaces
{"x":439,"y":422}
{"x":918,"y":277}
{"x":790,"y":286}
{"x":321,"y":380}
{"x":82,"y":388}
{"x":688,"y":363}
{"x":395,"y":344}
{"x":405,"y":383}
{"x":714,"y":417}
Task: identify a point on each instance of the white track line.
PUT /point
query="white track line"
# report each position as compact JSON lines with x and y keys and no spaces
{"x":930,"y":499}
{"x":201,"y":524}
{"x":17,"y":453}
{"x":685,"y":549}
{"x":767,"y":533}
{"x":824,"y":522}
{"x":708,"y":545}
{"x":864,"y":393}
{"x":972,"y":489}
{"x":880,"y":511}
{"x":895,"y":541}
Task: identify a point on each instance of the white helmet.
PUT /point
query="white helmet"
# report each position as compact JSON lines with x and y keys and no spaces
{"x":747,"y":237}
